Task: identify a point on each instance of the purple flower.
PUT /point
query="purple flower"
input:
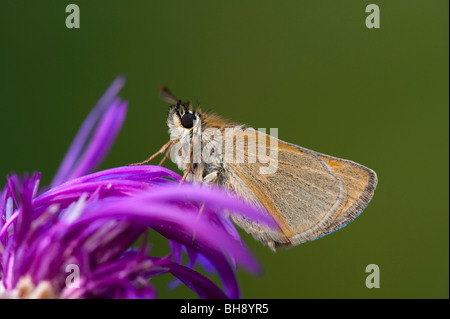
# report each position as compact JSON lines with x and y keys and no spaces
{"x":77,"y":238}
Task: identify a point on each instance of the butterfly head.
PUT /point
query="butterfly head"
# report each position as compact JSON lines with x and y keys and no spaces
{"x":182,"y":120}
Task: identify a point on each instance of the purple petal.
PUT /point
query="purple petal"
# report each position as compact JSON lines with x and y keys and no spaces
{"x":89,"y":126}
{"x":204,"y":287}
{"x":178,"y":225}
{"x":104,"y":136}
{"x":119,"y":181}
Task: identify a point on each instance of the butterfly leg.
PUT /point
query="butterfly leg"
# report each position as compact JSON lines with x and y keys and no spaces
{"x":166,"y":155}
{"x":186,"y":173}
{"x":161,"y":150}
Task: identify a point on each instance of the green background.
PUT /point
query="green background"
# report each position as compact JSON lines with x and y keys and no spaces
{"x":309,"y":68}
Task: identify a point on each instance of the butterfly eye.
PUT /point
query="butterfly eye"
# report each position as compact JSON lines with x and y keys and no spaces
{"x":188,"y":120}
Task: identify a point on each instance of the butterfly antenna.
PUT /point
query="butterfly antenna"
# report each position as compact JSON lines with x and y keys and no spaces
{"x":167,"y":96}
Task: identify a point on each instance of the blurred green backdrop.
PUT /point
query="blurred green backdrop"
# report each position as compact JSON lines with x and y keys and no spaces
{"x":310,"y":68}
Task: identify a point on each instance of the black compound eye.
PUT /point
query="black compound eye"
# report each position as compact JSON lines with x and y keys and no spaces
{"x":188,"y":120}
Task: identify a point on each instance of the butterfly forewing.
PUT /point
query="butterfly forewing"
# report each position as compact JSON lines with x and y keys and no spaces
{"x":310,"y":194}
